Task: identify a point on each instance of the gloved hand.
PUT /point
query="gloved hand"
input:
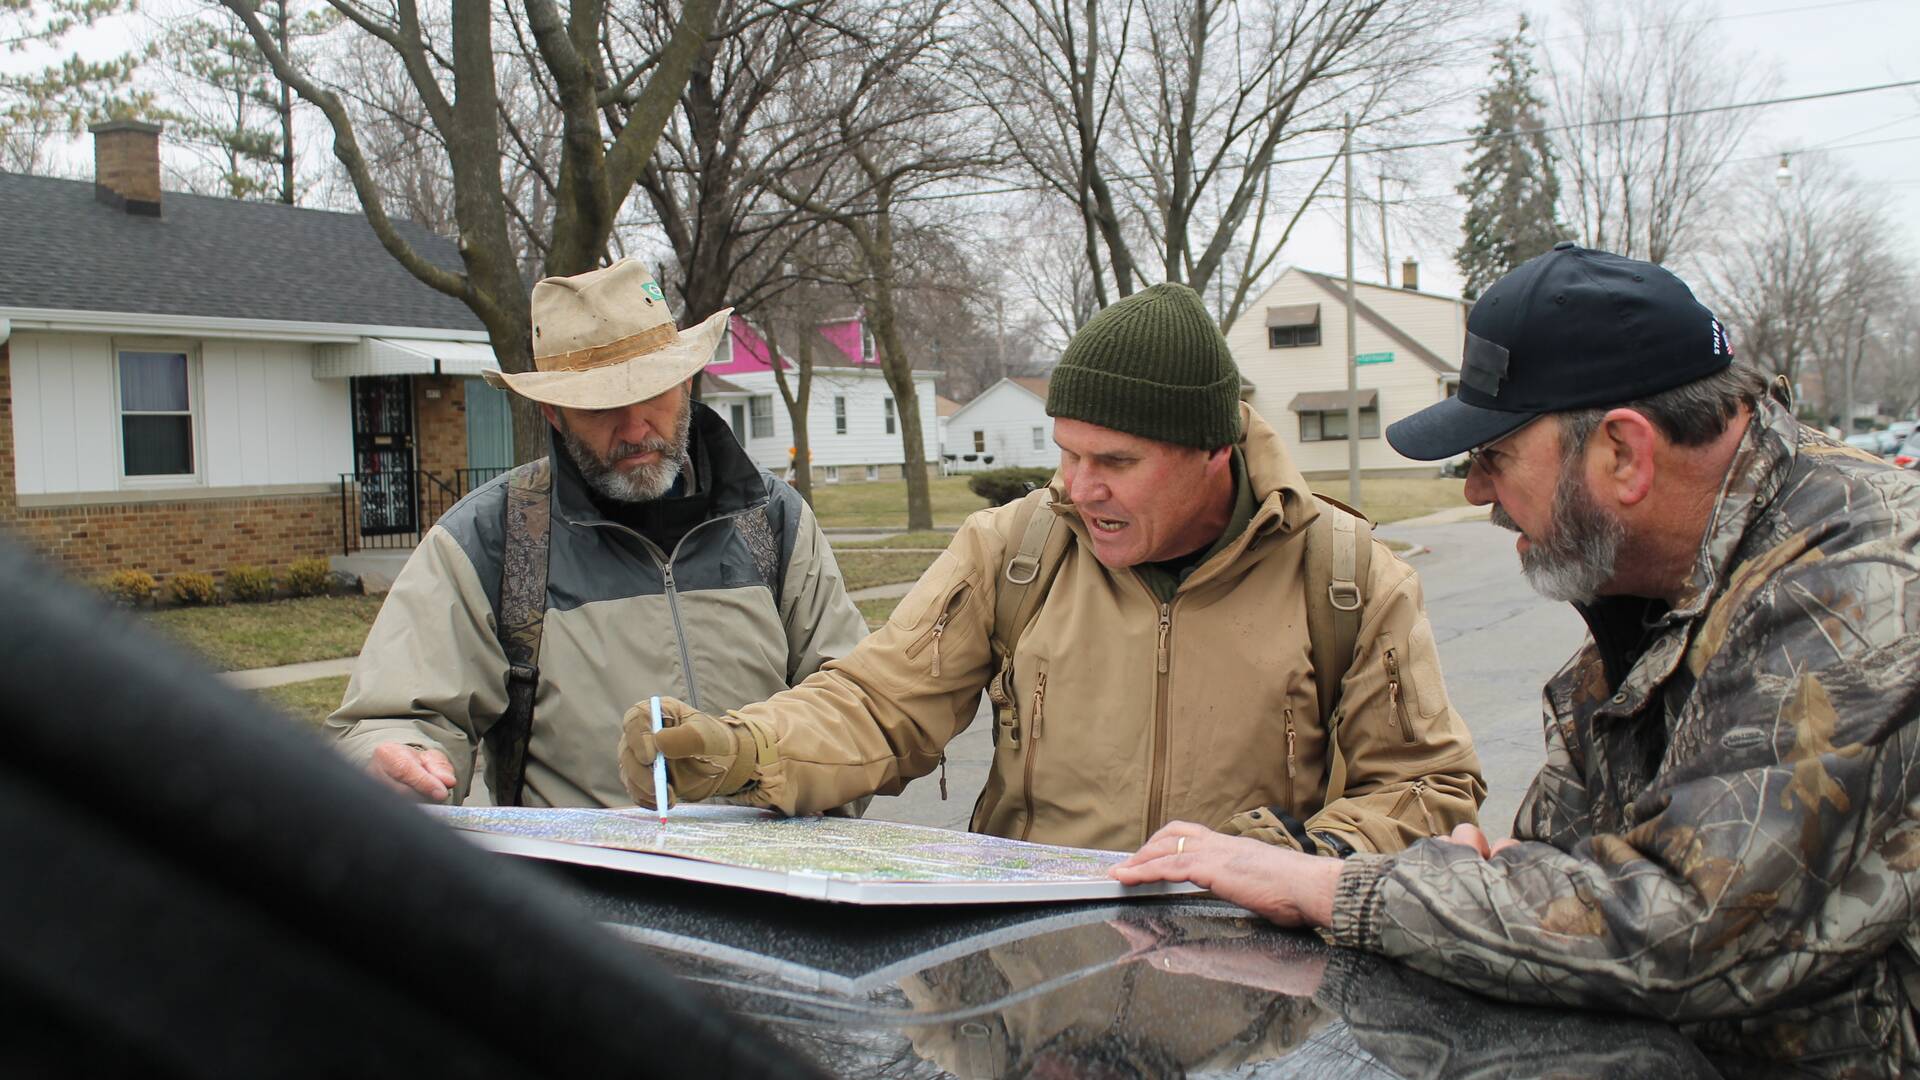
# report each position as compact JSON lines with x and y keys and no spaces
{"x":705,"y":756}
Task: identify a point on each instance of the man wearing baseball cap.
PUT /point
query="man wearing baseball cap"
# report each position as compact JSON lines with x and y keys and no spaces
{"x":1726,"y":833}
{"x":645,"y":554}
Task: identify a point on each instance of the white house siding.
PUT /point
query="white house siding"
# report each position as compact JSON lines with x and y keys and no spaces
{"x":260,"y":417}
{"x":866,"y":442}
{"x":1406,"y":385}
{"x":1005,"y":414}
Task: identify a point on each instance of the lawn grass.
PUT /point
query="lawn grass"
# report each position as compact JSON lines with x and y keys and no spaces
{"x":877,"y":612}
{"x":308,"y":702}
{"x":931,"y":541}
{"x":864,"y":569}
{"x":1388,"y":499}
{"x":882,"y":504}
{"x":234,"y":637}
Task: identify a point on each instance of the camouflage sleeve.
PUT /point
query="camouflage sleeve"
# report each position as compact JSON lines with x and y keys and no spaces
{"x":1774,"y":856}
{"x":1556,"y":801}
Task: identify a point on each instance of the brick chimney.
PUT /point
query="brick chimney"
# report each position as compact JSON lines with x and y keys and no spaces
{"x":1410,"y":275}
{"x":126,"y":166}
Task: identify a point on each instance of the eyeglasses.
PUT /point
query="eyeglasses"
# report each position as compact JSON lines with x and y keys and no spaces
{"x":1490,"y":457}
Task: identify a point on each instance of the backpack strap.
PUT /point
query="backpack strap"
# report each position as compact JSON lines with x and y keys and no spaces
{"x":1339,"y":562}
{"x":523,"y":615}
{"x":1022,"y":586}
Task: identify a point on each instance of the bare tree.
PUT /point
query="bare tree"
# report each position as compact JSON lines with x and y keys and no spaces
{"x":1641,"y":169}
{"x":897,"y":130}
{"x":1809,"y":261}
{"x":1162,"y":123}
{"x":612,"y":110}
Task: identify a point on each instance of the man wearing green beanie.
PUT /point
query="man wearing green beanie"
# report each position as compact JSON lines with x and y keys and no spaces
{"x":1142,"y":626}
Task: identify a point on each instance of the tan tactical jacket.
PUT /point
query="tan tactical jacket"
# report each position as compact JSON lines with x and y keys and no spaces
{"x":1727,"y":831}
{"x":1132,"y":713}
{"x":749,"y":603}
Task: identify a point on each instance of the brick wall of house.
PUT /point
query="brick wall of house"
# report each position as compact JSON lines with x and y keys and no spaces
{"x":440,"y":444}
{"x":163,"y":537}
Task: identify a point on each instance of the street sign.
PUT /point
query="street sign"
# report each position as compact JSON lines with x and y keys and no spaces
{"x":1374,"y":358}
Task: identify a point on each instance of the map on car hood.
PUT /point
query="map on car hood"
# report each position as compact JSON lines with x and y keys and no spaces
{"x":823,"y":858}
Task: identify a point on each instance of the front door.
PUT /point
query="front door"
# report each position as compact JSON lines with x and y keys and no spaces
{"x":383,"y":453}
{"x":740,"y":423}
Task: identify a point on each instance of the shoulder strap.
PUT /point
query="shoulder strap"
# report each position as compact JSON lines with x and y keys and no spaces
{"x":523,"y":615}
{"x":1017,"y":596}
{"x":1339,"y":561}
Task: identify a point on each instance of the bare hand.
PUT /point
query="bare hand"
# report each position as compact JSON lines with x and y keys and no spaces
{"x":427,"y":774}
{"x":1471,"y":836}
{"x":1283,"y":885}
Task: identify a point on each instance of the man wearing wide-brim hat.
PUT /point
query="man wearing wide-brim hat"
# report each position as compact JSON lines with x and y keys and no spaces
{"x":647,"y":554}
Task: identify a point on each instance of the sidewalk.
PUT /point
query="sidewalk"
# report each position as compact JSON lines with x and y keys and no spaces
{"x":261,"y":678}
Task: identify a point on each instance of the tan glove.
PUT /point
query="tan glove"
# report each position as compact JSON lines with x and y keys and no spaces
{"x":705,"y":756}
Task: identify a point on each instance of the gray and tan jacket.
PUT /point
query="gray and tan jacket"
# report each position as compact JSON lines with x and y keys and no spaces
{"x":1132,"y":712}
{"x":749,"y":603}
{"x":1727,"y":830}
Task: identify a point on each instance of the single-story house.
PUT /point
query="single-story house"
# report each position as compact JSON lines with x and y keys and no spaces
{"x":1004,"y":426}
{"x":853,"y":426}
{"x":1291,"y":346}
{"x":195,"y":383}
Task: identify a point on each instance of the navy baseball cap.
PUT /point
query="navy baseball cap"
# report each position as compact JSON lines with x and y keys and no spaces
{"x":1571,"y":329}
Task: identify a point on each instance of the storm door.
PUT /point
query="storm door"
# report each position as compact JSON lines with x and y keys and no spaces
{"x":383,"y":453}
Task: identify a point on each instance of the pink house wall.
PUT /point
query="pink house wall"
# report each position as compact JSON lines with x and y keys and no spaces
{"x":750,"y":351}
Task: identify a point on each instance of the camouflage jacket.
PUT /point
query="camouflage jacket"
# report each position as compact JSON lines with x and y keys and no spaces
{"x":1726,"y":833}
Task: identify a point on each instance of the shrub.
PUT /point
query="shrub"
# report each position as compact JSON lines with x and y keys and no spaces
{"x":309,"y":577}
{"x":192,"y":588}
{"x":133,"y":587}
{"x":249,"y":583}
{"x":1002,"y":486}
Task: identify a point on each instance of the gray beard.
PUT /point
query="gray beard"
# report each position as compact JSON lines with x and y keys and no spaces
{"x":1578,"y":556}
{"x":641,"y":484}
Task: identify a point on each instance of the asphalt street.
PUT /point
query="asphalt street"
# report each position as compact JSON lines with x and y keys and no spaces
{"x":1498,"y":641}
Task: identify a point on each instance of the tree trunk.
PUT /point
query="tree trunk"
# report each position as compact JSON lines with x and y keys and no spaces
{"x":797,"y":402}
{"x":898,"y":368}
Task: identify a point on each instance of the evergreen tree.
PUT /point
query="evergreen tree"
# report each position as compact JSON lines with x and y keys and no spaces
{"x":1511,"y":186}
{"x":42,"y":101}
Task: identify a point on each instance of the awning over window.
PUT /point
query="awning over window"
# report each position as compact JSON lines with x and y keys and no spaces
{"x":1315,"y":401}
{"x":402,"y":356}
{"x":1293,"y":315}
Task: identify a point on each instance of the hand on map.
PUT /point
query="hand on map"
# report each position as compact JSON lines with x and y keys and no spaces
{"x":1285,"y":886}
{"x":414,"y":770}
{"x":703,"y":755}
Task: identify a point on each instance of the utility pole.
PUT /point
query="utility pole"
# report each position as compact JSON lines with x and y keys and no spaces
{"x":1386,"y":260}
{"x":1353,"y":372}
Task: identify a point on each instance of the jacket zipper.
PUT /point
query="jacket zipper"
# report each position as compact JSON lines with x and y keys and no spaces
{"x":1416,"y":793}
{"x":1292,"y":761}
{"x":932,"y":637}
{"x":1157,"y":780}
{"x":1033,"y":748}
{"x":1398,"y":697}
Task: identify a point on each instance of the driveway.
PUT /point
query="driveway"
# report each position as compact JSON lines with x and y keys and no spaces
{"x":1499,"y":642}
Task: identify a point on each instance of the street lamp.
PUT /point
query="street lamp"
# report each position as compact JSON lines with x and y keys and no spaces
{"x":1783,"y":176}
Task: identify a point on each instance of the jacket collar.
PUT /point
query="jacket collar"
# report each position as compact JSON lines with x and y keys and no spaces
{"x":735,"y":481}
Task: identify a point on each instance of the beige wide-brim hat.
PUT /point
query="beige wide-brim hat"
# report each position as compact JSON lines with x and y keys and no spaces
{"x":605,"y":339}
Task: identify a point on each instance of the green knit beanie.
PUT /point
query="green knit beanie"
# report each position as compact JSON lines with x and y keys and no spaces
{"x":1152,"y":365}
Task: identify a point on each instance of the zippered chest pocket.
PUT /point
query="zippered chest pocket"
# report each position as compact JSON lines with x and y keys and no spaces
{"x":926,"y":646}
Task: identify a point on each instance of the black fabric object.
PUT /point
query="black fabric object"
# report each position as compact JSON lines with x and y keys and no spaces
{"x":1570,"y":329}
{"x":196,"y":887}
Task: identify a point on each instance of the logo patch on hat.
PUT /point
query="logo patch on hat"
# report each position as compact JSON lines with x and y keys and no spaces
{"x":1721,"y":346}
{"x":652,"y":290}
{"x":1486,"y":365}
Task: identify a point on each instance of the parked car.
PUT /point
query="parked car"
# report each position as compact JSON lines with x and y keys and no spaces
{"x":1877,"y":443}
{"x":1903,"y":429}
{"x":1908,"y":456}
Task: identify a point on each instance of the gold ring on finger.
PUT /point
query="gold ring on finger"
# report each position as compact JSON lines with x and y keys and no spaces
{"x":1180,"y":846}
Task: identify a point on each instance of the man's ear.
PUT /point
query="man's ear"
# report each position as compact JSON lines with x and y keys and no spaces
{"x":1626,"y":441}
{"x":553,"y":416}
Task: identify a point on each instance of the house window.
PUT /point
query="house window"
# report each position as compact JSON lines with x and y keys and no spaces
{"x":1040,"y":438}
{"x":156,"y":414}
{"x":873,"y":472}
{"x":1332,"y":426}
{"x":762,"y":416}
{"x":889,"y":416}
{"x":979,"y":442}
{"x":867,"y":350}
{"x":839,"y":416}
{"x":1292,"y":337}
{"x":833,"y":474}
